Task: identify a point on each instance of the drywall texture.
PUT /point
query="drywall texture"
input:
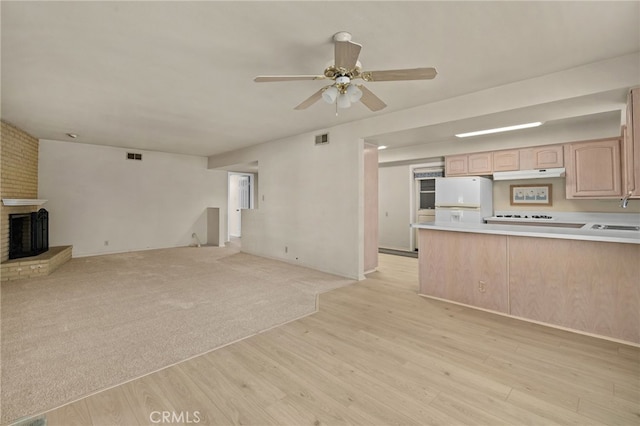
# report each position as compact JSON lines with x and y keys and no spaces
{"x":100,"y":202}
{"x":19,"y":176}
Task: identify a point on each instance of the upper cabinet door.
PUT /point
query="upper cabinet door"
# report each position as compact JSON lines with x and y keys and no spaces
{"x":456,"y":165}
{"x":506,"y":161}
{"x":593,"y":169}
{"x":631,"y":144}
{"x":547,"y":157}
{"x":542,"y":157}
{"x":480,"y":163}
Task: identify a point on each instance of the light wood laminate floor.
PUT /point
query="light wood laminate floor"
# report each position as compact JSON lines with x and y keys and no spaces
{"x":378,"y":354}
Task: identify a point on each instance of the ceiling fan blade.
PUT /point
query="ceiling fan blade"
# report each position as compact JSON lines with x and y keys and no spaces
{"x":370,"y":100}
{"x":270,"y":78}
{"x":311,"y":99}
{"x":346,"y":54}
{"x":405,"y":74}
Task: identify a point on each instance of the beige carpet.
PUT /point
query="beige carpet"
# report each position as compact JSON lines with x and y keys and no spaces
{"x":100,"y":321}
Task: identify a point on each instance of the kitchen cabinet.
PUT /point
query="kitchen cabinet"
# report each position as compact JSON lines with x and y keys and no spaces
{"x":588,"y":286}
{"x":542,"y":157}
{"x":631,"y":145}
{"x":593,"y":169}
{"x":472,"y":164}
{"x":480,"y":163}
{"x":456,"y":165}
{"x":465,"y":268}
{"x":506,"y":161}
{"x":485,"y":163}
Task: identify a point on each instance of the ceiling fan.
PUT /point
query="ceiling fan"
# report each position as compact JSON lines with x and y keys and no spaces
{"x":343,"y":70}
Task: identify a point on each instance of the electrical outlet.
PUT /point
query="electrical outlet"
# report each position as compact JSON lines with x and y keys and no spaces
{"x":482,"y":286}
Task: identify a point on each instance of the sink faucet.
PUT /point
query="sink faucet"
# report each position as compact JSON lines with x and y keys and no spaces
{"x":625,"y":201}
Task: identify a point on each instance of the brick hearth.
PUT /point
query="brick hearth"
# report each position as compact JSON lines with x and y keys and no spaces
{"x":35,"y":266}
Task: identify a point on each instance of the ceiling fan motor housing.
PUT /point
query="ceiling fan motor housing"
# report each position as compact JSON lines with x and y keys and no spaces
{"x":342,"y":36}
{"x":343,"y":79}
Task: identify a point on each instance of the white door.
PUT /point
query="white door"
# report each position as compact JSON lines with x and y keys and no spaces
{"x":239,"y":199}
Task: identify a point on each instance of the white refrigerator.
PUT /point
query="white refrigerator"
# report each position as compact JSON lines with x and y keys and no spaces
{"x":463,"y":199}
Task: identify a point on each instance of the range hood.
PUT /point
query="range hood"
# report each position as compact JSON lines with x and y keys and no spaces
{"x":530,"y":174}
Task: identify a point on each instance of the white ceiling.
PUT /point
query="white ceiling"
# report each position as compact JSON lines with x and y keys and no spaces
{"x":178,"y":76}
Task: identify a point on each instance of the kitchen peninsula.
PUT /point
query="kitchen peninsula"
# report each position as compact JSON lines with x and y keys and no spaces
{"x":582,"y":279}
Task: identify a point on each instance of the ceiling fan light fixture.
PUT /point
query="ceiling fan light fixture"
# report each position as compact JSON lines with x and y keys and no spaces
{"x":330,"y":94}
{"x":344,"y":101}
{"x":354,"y":93}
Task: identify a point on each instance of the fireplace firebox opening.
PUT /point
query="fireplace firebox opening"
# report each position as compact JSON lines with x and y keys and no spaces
{"x":28,"y":234}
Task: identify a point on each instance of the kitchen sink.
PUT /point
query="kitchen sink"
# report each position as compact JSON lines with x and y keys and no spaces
{"x":617,"y":227}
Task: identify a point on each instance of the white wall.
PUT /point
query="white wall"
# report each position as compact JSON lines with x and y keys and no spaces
{"x":310,"y":202}
{"x":394,"y":193}
{"x":371,"y":227}
{"x":96,"y":195}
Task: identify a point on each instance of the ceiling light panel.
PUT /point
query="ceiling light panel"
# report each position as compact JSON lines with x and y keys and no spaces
{"x":499,"y":129}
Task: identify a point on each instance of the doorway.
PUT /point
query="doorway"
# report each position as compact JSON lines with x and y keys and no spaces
{"x":423,"y":195}
{"x":240,"y":196}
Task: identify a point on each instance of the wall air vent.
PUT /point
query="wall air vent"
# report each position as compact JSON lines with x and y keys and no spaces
{"x":134,"y":156}
{"x":322,"y":139}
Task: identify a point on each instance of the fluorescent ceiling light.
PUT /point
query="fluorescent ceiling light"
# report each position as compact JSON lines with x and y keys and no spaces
{"x":382,"y":147}
{"x":499,"y":129}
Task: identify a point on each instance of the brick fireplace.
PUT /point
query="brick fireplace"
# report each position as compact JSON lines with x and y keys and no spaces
{"x":19,"y":181}
{"x":19,"y":177}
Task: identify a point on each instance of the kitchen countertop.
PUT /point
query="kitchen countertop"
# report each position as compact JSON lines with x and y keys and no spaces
{"x":576,"y":217}
{"x":541,"y":231}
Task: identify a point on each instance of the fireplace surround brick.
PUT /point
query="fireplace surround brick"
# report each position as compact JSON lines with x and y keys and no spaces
{"x":19,"y":163}
{"x":19,"y":179}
